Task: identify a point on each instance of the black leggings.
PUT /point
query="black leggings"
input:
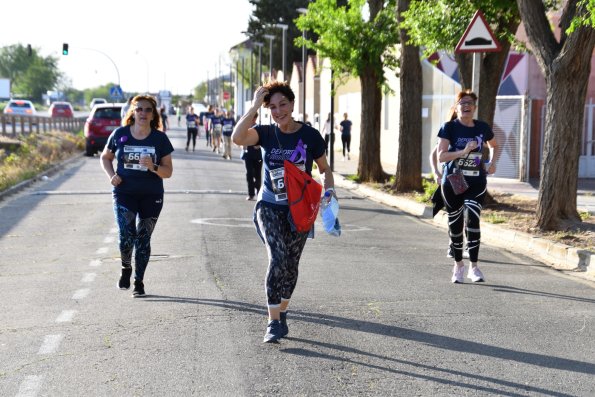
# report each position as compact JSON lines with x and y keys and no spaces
{"x":284,"y":248}
{"x":253,"y":175}
{"x":472,"y":202}
{"x":346,"y":139}
{"x":192,"y":133}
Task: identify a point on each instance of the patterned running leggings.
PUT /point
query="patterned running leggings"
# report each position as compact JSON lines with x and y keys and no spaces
{"x":135,"y":234}
{"x":284,"y":248}
{"x":472,"y":201}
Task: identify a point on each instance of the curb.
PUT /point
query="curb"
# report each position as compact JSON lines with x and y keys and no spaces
{"x":49,"y":172}
{"x":559,"y":256}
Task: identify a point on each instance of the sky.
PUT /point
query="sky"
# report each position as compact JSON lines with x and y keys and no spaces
{"x":172,"y":45}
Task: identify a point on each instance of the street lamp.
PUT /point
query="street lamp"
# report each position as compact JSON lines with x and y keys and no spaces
{"x":284,"y":27}
{"x":270,"y":38}
{"x":303,"y":11}
{"x":259,"y":45}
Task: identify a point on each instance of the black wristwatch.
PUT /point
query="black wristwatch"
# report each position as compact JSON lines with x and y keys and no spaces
{"x":155,"y":167}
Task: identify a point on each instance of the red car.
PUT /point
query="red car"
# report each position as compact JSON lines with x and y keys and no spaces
{"x":103,"y":119}
{"x":61,"y":109}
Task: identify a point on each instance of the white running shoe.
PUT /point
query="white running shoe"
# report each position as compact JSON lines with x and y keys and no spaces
{"x":475,"y":275}
{"x":457,"y":274}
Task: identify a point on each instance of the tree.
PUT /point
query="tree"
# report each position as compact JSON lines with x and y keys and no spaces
{"x":266,"y":14}
{"x":565,"y":61}
{"x":361,"y":49}
{"x":439,"y":25}
{"x":31,"y":75}
{"x":408,"y":173}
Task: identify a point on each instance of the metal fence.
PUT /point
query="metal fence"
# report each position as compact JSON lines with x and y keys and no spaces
{"x":11,"y":125}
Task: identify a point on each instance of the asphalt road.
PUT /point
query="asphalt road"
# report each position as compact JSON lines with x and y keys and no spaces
{"x":374,"y":312}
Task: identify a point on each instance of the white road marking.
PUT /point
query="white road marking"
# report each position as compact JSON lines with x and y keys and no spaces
{"x":89,"y":277}
{"x":113,"y":230}
{"x":109,"y":239}
{"x":101,"y":250}
{"x":248,"y":222}
{"x":95,"y":263}
{"x":30,"y":386}
{"x":81,"y":293}
{"x":66,"y":316}
{"x":50,"y":344}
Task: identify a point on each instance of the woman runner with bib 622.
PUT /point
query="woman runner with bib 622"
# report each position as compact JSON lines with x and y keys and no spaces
{"x":301,"y":144}
{"x":460,"y":149}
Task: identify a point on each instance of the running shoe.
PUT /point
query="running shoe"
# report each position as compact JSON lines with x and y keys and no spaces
{"x":457,"y":274}
{"x":273,"y":332}
{"x":475,"y":275}
{"x":139,"y":289}
{"x":449,"y":253}
{"x":124,"y":282}
{"x":284,"y":327}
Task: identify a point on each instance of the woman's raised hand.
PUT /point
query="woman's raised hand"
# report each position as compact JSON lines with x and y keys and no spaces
{"x":259,"y":95}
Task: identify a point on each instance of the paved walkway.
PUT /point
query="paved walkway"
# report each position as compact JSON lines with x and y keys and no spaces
{"x":563,"y":257}
{"x":585,"y":193}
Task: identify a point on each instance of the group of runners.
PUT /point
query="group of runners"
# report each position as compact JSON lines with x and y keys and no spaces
{"x":215,"y":124}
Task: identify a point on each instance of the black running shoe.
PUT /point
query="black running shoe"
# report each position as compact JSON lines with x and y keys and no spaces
{"x":273,"y":332}
{"x":284,"y":327}
{"x":139,"y":289}
{"x":124,"y":282}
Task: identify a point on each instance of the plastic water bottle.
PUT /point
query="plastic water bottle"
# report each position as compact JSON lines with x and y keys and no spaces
{"x":329,"y":212}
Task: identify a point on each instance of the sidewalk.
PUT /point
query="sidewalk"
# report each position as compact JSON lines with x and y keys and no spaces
{"x":559,"y":256}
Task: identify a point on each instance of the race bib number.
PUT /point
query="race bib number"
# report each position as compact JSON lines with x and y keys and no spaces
{"x":470,"y":166}
{"x":278,"y":181}
{"x":132,"y":155}
{"x":192,"y":124}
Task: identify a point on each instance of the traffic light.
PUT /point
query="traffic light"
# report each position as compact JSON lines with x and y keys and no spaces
{"x":29,"y":50}
{"x":65,"y":49}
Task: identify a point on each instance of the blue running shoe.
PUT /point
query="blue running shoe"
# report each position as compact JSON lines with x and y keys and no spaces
{"x":273,"y":332}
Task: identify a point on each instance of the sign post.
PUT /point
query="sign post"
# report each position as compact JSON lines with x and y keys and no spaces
{"x":478,"y":38}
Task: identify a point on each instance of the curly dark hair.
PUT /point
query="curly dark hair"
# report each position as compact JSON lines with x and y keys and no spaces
{"x":278,"y":86}
{"x":155,"y":122}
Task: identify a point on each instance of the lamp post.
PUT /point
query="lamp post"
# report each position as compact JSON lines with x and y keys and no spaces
{"x":284,"y":27}
{"x":270,"y":38}
{"x":259,"y":45}
{"x":303,"y":11}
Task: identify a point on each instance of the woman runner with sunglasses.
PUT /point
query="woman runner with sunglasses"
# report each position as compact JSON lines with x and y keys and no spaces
{"x":143,"y":154}
{"x":460,"y":144}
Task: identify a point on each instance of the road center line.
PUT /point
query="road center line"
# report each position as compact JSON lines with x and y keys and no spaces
{"x":30,"y":386}
{"x":81,"y":293}
{"x":66,"y":316}
{"x":89,"y":277}
{"x":50,"y":344}
{"x":95,"y":263}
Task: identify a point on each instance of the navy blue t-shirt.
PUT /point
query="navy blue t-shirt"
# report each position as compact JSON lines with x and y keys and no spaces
{"x":192,"y":121}
{"x":127,"y":150}
{"x":228,"y":124}
{"x":300,"y":147}
{"x":458,"y":135}
{"x":346,"y":124}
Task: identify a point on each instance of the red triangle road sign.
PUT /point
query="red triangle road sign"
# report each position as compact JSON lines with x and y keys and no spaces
{"x":478,"y":37}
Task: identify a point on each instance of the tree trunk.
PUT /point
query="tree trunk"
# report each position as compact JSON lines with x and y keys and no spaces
{"x":408,"y":173}
{"x":566,"y":65}
{"x":369,"y":168}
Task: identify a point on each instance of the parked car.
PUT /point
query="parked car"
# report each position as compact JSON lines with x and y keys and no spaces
{"x":20,"y":107}
{"x":61,"y":109}
{"x":96,"y":101}
{"x":103,"y":119}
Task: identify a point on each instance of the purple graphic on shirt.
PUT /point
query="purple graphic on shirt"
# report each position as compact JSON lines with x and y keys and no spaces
{"x":299,"y":149}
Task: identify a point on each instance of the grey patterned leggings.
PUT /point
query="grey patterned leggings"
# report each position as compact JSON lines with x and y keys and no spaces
{"x":284,"y":248}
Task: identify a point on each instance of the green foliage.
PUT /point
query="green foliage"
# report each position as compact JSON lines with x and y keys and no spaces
{"x":494,"y":218}
{"x":351,"y":43}
{"x":439,"y":25}
{"x":586,"y":18}
{"x":36,"y":153}
{"x":31,"y":76}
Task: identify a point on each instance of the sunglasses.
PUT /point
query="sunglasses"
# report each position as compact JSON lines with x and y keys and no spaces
{"x":147,"y":110}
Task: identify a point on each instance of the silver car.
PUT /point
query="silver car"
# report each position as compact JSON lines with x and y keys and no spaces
{"x":20,"y":107}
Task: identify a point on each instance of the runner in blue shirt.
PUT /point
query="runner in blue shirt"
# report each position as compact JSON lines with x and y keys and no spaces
{"x":303,"y":145}
{"x":228,"y":123}
{"x":143,"y":155}
{"x":192,"y":121}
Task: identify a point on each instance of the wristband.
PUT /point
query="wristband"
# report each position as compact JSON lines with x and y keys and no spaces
{"x":155,"y":167}
{"x":330,"y":189}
